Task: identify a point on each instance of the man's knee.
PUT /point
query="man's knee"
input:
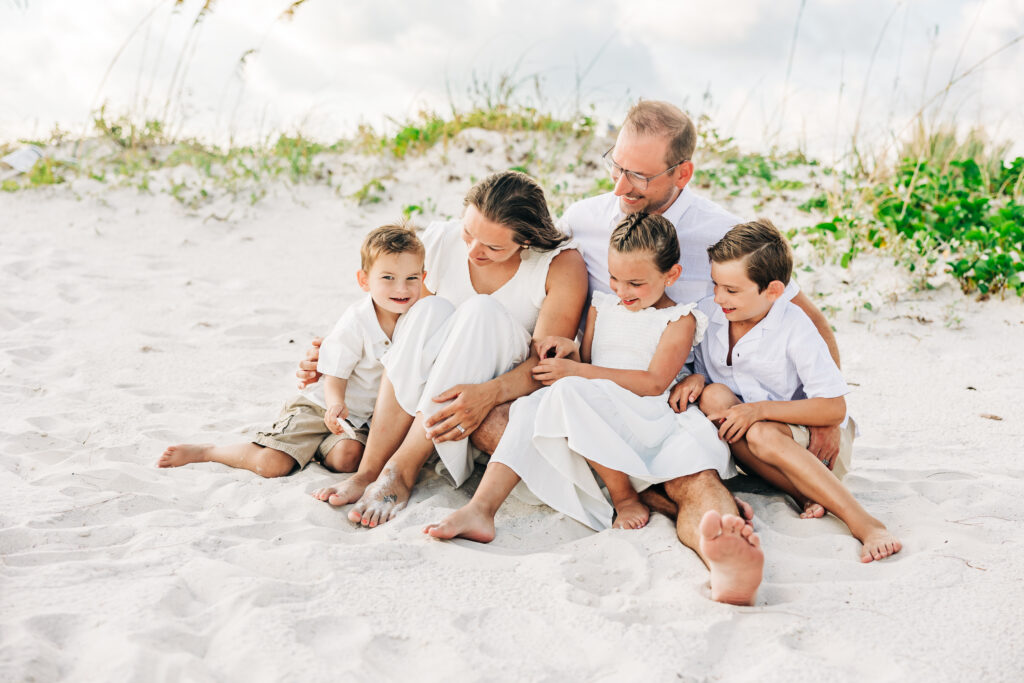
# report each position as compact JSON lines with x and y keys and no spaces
{"x":488,"y":434}
{"x":681,"y":489}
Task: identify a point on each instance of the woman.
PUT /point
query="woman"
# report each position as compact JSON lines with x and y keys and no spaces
{"x":467,"y":349}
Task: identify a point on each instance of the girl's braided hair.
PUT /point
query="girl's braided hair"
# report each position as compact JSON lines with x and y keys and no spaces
{"x":648,"y":232}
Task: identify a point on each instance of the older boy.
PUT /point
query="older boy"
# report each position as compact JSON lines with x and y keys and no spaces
{"x":333,"y":427}
{"x":772,"y":378}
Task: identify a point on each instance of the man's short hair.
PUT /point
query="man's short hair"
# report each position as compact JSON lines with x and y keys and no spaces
{"x":761,"y":247}
{"x":651,"y":117}
{"x":395,"y":238}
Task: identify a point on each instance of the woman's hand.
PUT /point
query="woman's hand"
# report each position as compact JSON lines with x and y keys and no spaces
{"x":307,"y":373}
{"x":555,"y":347}
{"x":548,"y":370}
{"x":686,"y":392}
{"x":469,"y":405}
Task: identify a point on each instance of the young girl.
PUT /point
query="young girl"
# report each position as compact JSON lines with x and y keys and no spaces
{"x":610,"y":411}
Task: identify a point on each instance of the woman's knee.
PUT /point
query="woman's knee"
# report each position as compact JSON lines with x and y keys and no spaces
{"x":272,"y":463}
{"x":764,"y":440}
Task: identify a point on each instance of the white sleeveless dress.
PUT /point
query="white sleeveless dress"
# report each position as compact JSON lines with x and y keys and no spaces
{"x":461,"y":337}
{"x":553,"y":431}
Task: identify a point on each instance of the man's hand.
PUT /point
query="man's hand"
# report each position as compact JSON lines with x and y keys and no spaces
{"x":548,"y":370}
{"x":555,"y":347}
{"x":307,"y":373}
{"x":686,"y":392}
{"x":734,"y":422}
{"x":469,"y":405}
{"x":335,"y":412}
{"x":824,"y":444}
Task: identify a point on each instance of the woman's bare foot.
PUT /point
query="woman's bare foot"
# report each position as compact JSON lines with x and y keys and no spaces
{"x":344,"y":492}
{"x":631,"y":514}
{"x":812,"y":510}
{"x":183,"y":454}
{"x":879,"y":543}
{"x":733,"y":553}
{"x":469,"y":521}
{"x":381,"y":501}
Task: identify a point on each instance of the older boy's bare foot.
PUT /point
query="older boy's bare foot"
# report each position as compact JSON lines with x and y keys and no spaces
{"x":344,"y":492}
{"x":631,"y":514}
{"x":381,"y":501}
{"x":469,"y":521}
{"x":812,"y":510}
{"x":733,"y":553}
{"x":878,"y":544}
{"x":183,"y":454}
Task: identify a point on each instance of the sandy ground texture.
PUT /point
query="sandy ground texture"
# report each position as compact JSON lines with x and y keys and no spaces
{"x":129,"y":322}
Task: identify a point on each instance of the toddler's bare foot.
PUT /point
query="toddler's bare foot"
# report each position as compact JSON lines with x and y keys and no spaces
{"x":746,"y":512}
{"x":183,"y":454}
{"x":631,"y":514}
{"x":733,"y":553}
{"x":344,"y":492}
{"x":812,"y":510}
{"x":469,"y":521}
{"x":879,"y":543}
{"x":381,"y":501}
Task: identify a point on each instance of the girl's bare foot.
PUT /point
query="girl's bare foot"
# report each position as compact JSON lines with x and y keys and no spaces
{"x":381,"y":501}
{"x":812,"y":510}
{"x":183,"y":454}
{"x":733,"y":553}
{"x":878,"y":544}
{"x":344,"y":492}
{"x":631,"y":514}
{"x":469,"y":521}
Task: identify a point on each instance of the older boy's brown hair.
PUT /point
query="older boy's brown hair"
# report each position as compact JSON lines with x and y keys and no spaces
{"x":661,"y":119}
{"x":395,"y":238}
{"x":761,"y":247}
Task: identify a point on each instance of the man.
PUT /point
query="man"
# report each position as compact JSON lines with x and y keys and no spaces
{"x":651,"y":166}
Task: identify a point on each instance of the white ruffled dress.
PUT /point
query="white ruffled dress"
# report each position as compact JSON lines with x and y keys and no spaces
{"x":552,"y":432}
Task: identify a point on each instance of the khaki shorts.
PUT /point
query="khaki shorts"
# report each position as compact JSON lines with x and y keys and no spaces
{"x":301,"y":433}
{"x":802,"y":436}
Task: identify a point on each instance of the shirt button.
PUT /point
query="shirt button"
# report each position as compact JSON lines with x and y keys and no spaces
{"x":386,"y":342}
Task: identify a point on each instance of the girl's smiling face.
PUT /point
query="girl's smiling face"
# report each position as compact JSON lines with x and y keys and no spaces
{"x":636,"y":280}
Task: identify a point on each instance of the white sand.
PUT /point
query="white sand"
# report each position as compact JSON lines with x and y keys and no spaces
{"x":128,"y":323}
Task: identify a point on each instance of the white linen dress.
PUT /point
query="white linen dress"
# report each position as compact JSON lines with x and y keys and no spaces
{"x":553,"y":430}
{"x":461,"y":337}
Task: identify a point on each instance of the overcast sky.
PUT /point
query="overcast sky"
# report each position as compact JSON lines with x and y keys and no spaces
{"x":338,"y":63}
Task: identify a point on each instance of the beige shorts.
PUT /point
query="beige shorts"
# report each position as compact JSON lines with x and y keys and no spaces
{"x":301,"y":433}
{"x":802,"y":436}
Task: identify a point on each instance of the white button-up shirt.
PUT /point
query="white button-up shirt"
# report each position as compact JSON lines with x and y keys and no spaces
{"x":783,"y":358}
{"x":353,"y":351}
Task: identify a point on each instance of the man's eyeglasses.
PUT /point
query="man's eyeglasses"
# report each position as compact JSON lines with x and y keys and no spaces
{"x":638,"y":181}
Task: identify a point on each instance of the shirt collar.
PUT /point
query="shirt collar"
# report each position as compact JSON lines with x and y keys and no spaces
{"x":368,"y":320}
{"x":674,"y":213}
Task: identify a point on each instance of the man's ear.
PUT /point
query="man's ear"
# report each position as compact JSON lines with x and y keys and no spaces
{"x":673,"y":274}
{"x":775,"y":289}
{"x":363,"y":278}
{"x":684,"y":174}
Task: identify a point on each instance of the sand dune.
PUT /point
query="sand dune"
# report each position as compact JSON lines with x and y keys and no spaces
{"x":128,"y":322}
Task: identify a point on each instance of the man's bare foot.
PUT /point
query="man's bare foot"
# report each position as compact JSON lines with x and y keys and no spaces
{"x":812,"y":510}
{"x":631,"y":514}
{"x":344,"y":492}
{"x":733,"y":553}
{"x":183,"y":454}
{"x":469,"y":521}
{"x":381,"y":501}
{"x":878,"y":544}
